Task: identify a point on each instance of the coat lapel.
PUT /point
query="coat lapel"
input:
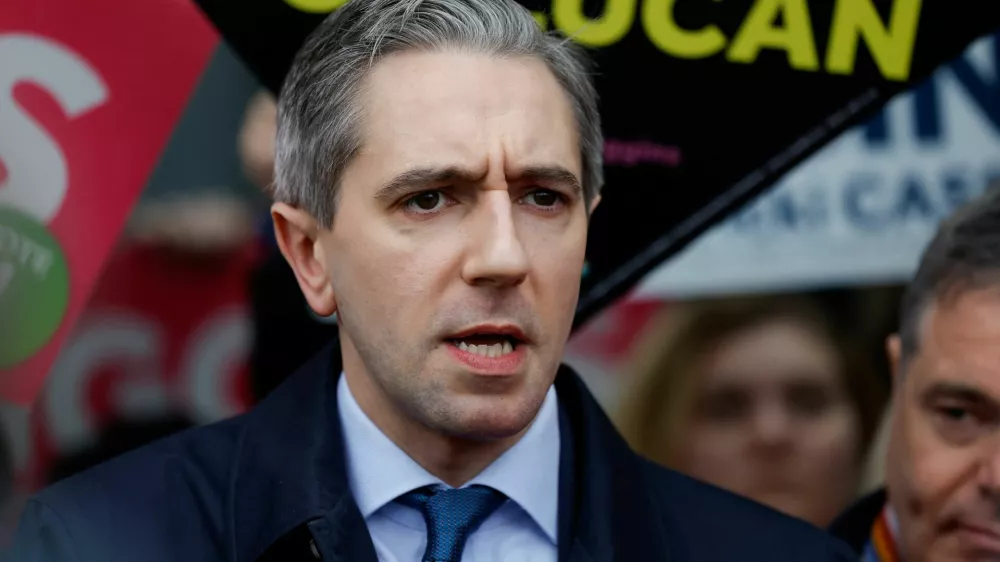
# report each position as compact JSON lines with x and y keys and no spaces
{"x":578,"y":553}
{"x":289,"y":492}
{"x":342,"y":535}
{"x":607,"y":499}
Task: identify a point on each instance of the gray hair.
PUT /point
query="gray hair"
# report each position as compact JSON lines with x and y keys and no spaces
{"x":964,"y":254}
{"x":319,"y":111}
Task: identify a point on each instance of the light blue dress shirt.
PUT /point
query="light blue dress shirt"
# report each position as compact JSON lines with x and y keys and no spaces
{"x":524,"y":529}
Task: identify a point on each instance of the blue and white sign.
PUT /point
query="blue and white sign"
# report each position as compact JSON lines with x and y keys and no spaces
{"x":861,"y":210}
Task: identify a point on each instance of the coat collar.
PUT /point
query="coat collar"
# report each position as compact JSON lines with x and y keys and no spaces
{"x":290,"y":470}
{"x":854,"y":525}
{"x":613,"y":512}
{"x":289,"y":467}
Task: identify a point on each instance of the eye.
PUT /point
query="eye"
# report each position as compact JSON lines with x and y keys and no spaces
{"x":809,"y":400}
{"x":725,"y":406}
{"x":426,"y":202}
{"x":544,"y":198}
{"x":954,"y":413}
{"x":957,"y":424}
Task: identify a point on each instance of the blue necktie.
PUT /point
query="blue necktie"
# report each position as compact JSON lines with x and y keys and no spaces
{"x":452,"y":515}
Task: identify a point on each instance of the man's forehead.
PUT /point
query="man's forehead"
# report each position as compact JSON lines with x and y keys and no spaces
{"x":406,"y":77}
{"x":970,"y":317}
{"x":960,"y":340}
{"x":444,"y":110}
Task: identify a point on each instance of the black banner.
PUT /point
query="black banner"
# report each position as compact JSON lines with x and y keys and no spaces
{"x":705,"y":103}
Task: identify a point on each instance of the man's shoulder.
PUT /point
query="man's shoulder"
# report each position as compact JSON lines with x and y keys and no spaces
{"x":720,"y":525}
{"x":170,"y":491}
{"x":202,"y":454}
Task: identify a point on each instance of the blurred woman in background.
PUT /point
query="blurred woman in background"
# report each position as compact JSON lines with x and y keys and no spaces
{"x":759,"y":396}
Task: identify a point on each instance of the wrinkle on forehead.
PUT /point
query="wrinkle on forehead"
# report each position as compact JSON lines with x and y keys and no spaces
{"x":441,"y":109}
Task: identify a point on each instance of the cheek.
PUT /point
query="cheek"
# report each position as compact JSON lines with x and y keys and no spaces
{"x":388,"y":272}
{"x":832,"y":444}
{"x":712,"y":448}
{"x":714,"y":455}
{"x":935,"y":473}
{"x":929,"y":462}
{"x":926,"y":474}
{"x":557,"y":262}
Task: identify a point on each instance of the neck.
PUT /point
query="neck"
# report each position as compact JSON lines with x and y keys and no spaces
{"x":454,"y":459}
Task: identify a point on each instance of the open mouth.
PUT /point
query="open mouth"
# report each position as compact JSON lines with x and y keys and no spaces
{"x":487,"y":345}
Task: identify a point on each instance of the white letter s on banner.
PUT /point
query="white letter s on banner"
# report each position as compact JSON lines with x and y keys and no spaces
{"x":37,"y":171}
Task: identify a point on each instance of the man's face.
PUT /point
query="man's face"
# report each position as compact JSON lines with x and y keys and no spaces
{"x":944,"y":456}
{"x":456,"y":253}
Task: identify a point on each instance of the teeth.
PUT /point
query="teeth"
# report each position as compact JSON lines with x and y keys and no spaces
{"x":495,"y":350}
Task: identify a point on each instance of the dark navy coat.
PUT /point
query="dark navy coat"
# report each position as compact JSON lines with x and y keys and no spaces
{"x":854,"y":526}
{"x":271,"y":485}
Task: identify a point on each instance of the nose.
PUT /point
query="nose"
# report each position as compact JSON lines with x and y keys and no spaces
{"x":772,"y":430}
{"x":496,"y":254}
{"x":988,"y":476}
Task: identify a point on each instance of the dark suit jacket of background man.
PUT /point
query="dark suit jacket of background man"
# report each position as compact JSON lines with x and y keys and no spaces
{"x":272,"y":485}
{"x":854,"y":526}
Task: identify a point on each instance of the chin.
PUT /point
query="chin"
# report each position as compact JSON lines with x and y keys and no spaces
{"x":493,"y":418}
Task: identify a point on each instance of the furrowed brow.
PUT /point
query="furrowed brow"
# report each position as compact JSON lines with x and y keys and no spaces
{"x":423,"y":178}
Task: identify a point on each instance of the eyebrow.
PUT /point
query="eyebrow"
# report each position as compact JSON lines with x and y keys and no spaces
{"x":959,"y":391}
{"x":424,"y":178}
{"x":549,"y":174}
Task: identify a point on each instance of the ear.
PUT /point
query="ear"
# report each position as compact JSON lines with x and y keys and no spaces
{"x":593,"y":204}
{"x":894,"y":348}
{"x":298,"y":237}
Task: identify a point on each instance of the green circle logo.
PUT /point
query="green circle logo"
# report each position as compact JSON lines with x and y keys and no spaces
{"x":34,"y":286}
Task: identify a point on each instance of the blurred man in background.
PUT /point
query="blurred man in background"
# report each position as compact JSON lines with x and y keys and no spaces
{"x":257,"y":137}
{"x":286,"y":331}
{"x":437,"y":165}
{"x":942,"y":496}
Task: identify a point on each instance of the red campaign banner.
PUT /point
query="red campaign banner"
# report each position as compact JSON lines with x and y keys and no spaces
{"x":609,"y":337}
{"x":164,"y":333}
{"x":89,"y":94}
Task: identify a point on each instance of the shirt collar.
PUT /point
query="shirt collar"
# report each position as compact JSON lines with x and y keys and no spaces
{"x":883,"y":544}
{"x":527,"y":473}
{"x":378,"y":471}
